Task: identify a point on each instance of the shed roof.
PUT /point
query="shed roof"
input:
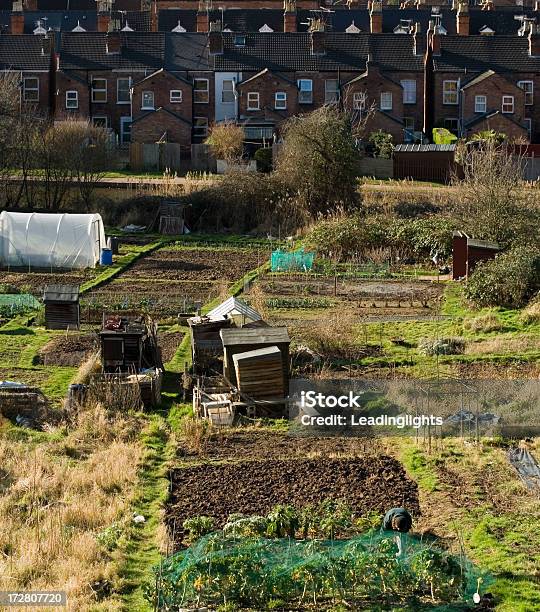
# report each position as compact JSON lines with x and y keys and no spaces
{"x":424,"y":148}
{"x":61,"y":293}
{"x":268,"y":351}
{"x":234,"y":306}
{"x":258,"y":335}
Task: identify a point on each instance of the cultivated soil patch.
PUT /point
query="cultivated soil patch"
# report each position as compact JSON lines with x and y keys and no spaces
{"x":197,"y":264}
{"x":168,"y":343}
{"x":70,"y":350}
{"x":374,"y":483}
{"x":35,"y":282}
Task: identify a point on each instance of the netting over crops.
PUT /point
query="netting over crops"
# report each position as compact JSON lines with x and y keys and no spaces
{"x":16,"y":303}
{"x":288,"y":262}
{"x":258,"y":573}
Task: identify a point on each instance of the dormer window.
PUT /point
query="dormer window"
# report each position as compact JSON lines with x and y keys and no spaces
{"x":239,"y":40}
{"x":486,"y":31}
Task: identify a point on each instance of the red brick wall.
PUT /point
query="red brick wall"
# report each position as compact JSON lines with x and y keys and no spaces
{"x":267,"y":85}
{"x":151,"y":127}
{"x":161,"y":84}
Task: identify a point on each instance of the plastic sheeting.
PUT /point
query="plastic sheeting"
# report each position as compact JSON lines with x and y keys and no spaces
{"x":527,"y":467}
{"x":43,"y":240}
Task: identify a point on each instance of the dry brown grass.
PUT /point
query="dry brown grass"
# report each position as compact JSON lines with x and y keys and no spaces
{"x":483,"y":323}
{"x":501,"y":345}
{"x":531,"y":313}
{"x":57,"y":499}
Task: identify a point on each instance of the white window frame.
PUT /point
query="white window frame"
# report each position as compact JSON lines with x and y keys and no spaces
{"x":331,"y":95}
{"x":253,"y":101}
{"x":144,"y":106}
{"x":451,"y":92}
{"x":386,"y":100}
{"x":505,"y":102}
{"x":96,"y":90}
{"x":94,"y":117}
{"x":227,"y":91}
{"x":280,"y":100}
{"x":528,"y":88}
{"x":195,"y":119}
{"x":128,"y":101}
{"x":408,"y":132}
{"x":178,"y":96}
{"x":409,"y":94}
{"x":478,"y":103}
{"x":74,"y":98}
{"x":205,"y":91}
{"x":528,"y":123}
{"x":305,"y":94}
{"x":359,"y":100}
{"x":27,"y":89}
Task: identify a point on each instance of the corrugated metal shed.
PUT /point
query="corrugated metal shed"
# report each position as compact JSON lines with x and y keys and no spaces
{"x":424,"y":148}
{"x":233,"y":307}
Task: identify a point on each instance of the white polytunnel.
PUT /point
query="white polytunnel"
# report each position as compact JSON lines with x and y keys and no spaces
{"x":47,"y":240}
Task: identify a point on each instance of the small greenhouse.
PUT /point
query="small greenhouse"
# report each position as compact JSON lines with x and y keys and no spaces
{"x":46,"y":240}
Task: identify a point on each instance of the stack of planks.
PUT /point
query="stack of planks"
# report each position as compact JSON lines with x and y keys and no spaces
{"x":259,"y":373}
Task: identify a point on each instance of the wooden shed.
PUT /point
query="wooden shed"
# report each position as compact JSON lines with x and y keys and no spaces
{"x":425,"y":162}
{"x":128,"y":344}
{"x":62,"y":307}
{"x":246,"y":340}
{"x":259,"y":373}
{"x":467,"y":252}
{"x":206,"y":345}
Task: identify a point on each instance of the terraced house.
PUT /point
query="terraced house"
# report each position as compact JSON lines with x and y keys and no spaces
{"x":171,"y":86}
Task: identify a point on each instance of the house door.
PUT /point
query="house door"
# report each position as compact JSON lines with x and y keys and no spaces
{"x":125,"y":130}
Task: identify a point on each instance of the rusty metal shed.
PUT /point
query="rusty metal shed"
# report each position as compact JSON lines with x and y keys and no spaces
{"x":62,"y":307}
{"x":467,"y":252}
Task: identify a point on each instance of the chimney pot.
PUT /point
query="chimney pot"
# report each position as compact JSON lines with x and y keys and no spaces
{"x":463,"y":20}
{"x":289,"y":16}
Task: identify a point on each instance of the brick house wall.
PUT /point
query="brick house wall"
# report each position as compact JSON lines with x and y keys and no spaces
{"x":43,"y":101}
{"x":161,"y":83}
{"x":151,"y":126}
{"x":499,"y":123}
{"x":267,"y":84}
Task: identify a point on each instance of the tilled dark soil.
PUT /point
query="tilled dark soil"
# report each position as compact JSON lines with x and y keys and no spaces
{"x":168,"y":343}
{"x":197,"y":264}
{"x":69,"y":350}
{"x":255,"y":487}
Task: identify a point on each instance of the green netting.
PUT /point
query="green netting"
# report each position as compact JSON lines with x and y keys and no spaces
{"x":368,"y":570}
{"x":289,"y":262}
{"x":12,"y":304}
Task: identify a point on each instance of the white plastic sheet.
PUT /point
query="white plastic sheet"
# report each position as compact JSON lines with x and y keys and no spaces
{"x":43,"y":240}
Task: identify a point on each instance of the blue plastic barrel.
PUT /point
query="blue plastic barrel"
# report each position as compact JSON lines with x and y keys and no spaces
{"x":106,"y":257}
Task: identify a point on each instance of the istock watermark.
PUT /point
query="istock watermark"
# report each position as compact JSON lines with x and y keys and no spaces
{"x":461,"y":408}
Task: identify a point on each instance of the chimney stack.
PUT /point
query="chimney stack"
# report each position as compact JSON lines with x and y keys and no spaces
{"x":534,"y":41}
{"x":30,"y":5}
{"x":289,"y":16}
{"x":463,"y":18}
{"x":17,"y":19}
{"x":113,"y":43}
{"x":318,"y":36}
{"x":215,"y":38}
{"x":103,"y":22}
{"x":434,"y":38}
{"x":203,"y":18}
{"x":375,"y":17}
{"x":419,"y":47}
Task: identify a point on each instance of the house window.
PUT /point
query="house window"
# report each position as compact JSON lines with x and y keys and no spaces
{"x":386,"y":100}
{"x":72,"y":99}
{"x":451,"y":124}
{"x":450,"y":92}
{"x":253,"y":100}
{"x":331,"y":91}
{"x":528,"y":88}
{"x":239,"y":40}
{"x":123,"y":94}
{"x":306,"y":91}
{"x":147,"y":100}
{"x":409,"y":91}
{"x":200,"y":91}
{"x":227,"y":91}
{"x":359,"y":100}
{"x":280,"y":100}
{"x":528,"y":123}
{"x":31,"y":89}
{"x":508,"y":104}
{"x":100,"y":122}
{"x":175,"y":96}
{"x":200,"y":127}
{"x":258,"y":132}
{"x":408,"y":129}
{"x":480,"y":104}
{"x":99,"y":90}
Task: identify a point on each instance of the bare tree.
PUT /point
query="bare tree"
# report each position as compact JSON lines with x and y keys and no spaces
{"x":493,"y":201}
{"x":226,"y":141}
